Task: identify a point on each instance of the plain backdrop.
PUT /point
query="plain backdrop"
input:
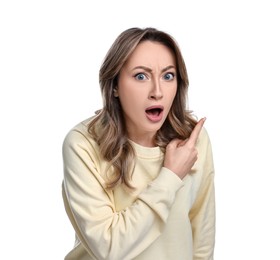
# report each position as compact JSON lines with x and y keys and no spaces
{"x":50,"y":54}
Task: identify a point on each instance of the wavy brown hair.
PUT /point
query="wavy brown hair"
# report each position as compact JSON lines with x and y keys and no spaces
{"x":108,"y":126}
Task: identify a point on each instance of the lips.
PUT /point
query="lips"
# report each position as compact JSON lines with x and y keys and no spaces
{"x":154,"y":113}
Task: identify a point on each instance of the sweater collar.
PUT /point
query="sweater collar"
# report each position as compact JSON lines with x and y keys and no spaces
{"x":146,"y":152}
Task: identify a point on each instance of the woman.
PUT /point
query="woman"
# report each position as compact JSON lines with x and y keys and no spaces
{"x":138,"y":176}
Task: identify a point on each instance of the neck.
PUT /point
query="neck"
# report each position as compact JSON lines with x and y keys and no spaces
{"x":145,"y":140}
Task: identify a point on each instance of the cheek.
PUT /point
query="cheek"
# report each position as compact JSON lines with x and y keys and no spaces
{"x":130,"y":94}
{"x":171,"y":98}
{"x":128,"y":99}
{"x":172,"y":93}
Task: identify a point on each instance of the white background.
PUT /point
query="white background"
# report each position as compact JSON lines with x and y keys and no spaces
{"x":50,"y":55}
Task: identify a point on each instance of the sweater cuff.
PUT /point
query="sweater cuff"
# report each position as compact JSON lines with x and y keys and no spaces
{"x":161,"y":192}
{"x":168,"y":179}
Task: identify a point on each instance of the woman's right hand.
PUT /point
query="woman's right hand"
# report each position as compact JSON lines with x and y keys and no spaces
{"x":181,"y":155}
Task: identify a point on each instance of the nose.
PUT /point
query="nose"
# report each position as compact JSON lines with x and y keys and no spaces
{"x":156,"y":91}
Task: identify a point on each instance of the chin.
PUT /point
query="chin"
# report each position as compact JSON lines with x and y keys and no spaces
{"x":155,"y":127}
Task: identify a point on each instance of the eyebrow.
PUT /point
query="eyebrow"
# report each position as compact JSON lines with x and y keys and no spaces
{"x":150,"y":70}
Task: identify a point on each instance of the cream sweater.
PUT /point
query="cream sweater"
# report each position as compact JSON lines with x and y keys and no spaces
{"x":165,"y":218}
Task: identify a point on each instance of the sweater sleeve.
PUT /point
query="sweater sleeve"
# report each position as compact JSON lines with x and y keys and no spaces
{"x":103,"y":231}
{"x":202,"y":214}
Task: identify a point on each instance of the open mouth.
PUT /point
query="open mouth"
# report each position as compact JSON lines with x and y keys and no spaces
{"x":155,"y":110}
{"x":154,"y":113}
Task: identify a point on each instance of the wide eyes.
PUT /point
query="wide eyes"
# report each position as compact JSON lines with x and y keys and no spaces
{"x":140,"y":76}
{"x":167,"y":76}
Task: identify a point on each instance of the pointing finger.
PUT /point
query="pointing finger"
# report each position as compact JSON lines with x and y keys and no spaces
{"x":196,"y":131}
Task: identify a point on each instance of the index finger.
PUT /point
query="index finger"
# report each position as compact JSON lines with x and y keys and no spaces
{"x":196,"y":131}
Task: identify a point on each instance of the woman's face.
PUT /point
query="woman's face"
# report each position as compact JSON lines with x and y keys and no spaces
{"x":146,"y":89}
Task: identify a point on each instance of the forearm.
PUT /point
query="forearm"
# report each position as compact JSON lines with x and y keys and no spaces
{"x":124,"y":234}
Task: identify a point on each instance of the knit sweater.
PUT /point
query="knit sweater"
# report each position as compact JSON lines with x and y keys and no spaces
{"x":163,"y":218}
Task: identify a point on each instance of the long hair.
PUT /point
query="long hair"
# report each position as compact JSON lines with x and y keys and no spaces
{"x":108,"y":126}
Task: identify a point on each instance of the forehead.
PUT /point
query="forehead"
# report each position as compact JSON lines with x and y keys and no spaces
{"x":151,"y":53}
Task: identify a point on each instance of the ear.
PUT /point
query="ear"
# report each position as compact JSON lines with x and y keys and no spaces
{"x":116,"y":94}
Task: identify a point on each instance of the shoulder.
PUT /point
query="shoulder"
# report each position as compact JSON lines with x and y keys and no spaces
{"x":78,"y":135}
{"x":203,"y":138}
